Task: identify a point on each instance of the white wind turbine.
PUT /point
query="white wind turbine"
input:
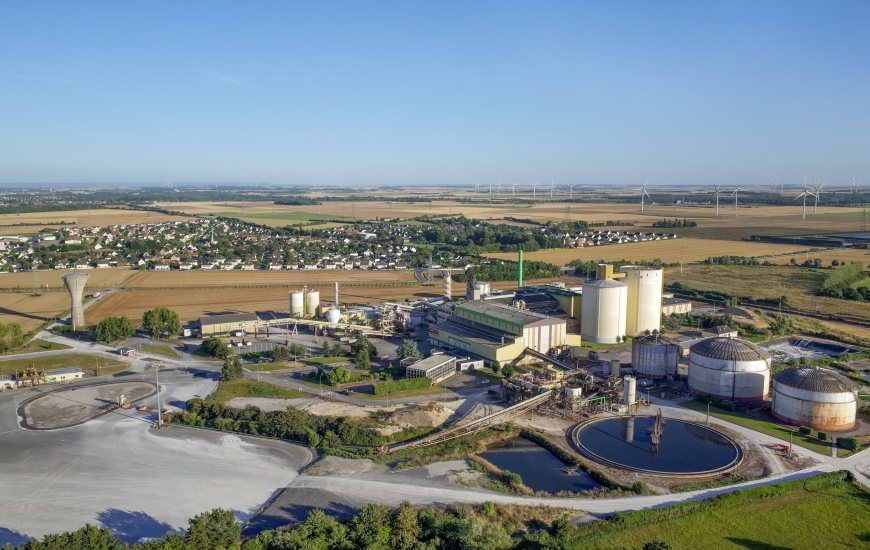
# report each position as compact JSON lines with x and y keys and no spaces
{"x":476,"y":188}
{"x":535,"y":189}
{"x":642,"y":193}
{"x":571,"y":186}
{"x":718,"y":188}
{"x":498,"y":188}
{"x":552,"y":189}
{"x":513,"y":188}
{"x":818,"y":191}
{"x":734,"y":194}
{"x":806,"y":192}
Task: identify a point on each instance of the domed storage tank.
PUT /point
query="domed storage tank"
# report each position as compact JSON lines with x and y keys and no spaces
{"x":297,"y":304}
{"x":333,"y":315}
{"x":312,"y":302}
{"x":654,"y":356}
{"x":818,"y":398}
{"x":643,"y":310}
{"x":729,"y":368}
{"x":602,"y":313}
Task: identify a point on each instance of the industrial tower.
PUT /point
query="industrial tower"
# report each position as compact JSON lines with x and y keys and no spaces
{"x":75,"y":283}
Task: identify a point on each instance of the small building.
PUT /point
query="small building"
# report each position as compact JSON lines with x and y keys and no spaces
{"x":62,"y":376}
{"x":671,"y":306}
{"x":469,"y":364}
{"x":212,"y":325}
{"x":720,"y":331}
{"x":436,"y":368}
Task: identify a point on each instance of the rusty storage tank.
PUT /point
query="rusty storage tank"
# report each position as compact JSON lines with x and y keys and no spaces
{"x":814,"y":397}
{"x":729,"y":368}
{"x":654,"y":356}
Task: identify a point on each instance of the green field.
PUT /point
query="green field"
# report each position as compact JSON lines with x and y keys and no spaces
{"x":166,"y":351}
{"x":60,"y":361}
{"x":825,"y":511}
{"x":402,"y":394}
{"x":251,"y":388}
{"x":287,"y":216}
{"x":40,"y":345}
{"x":326,"y":360}
{"x":770,"y":428}
{"x":863,"y":282}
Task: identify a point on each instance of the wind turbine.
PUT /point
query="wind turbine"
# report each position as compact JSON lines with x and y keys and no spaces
{"x":734,"y":194}
{"x":476,"y":188}
{"x":498,"y":192}
{"x":552,"y":188}
{"x":642,"y":193}
{"x":571,"y":186}
{"x":717,"y":188}
{"x":490,"y":188}
{"x":804,"y":195}
{"x":818,"y":191}
{"x":513,"y":188}
{"x":534,"y":189}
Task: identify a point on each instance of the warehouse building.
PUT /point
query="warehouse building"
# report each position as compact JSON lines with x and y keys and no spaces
{"x":436,"y":367}
{"x":215,"y":325}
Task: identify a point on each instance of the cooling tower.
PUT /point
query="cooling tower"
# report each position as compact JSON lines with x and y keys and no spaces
{"x":75,"y":283}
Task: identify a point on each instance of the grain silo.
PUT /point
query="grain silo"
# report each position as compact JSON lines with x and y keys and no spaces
{"x":818,"y":398}
{"x":629,"y":390}
{"x":654,"y":356}
{"x":729,"y":368}
{"x":602,"y":312}
{"x":297,"y":304}
{"x":643,"y":310}
{"x":312,"y":302}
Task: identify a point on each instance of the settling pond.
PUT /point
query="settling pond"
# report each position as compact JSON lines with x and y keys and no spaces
{"x":685,"y":448}
{"x":540,"y":469}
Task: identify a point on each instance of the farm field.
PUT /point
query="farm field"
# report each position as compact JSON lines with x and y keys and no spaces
{"x":669,"y":251}
{"x":31,"y":311}
{"x":51,"y":278}
{"x":846,"y":255}
{"x":192,"y":279}
{"x":80,"y":218}
{"x":47,"y":362}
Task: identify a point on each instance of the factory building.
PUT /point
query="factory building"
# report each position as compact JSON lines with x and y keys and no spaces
{"x":729,"y":368}
{"x":654,"y":356}
{"x":814,"y":397}
{"x":499,"y":332}
{"x":671,"y":306}
{"x":436,"y":367}
{"x":217,"y":325}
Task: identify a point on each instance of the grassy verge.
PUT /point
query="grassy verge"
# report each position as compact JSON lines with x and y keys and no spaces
{"x":40,"y":345}
{"x":65,"y":360}
{"x":455,"y":449}
{"x":326,"y":360}
{"x":825,"y":511}
{"x":766,"y":427}
{"x":166,"y":351}
{"x":268,"y":367}
{"x":401,"y":394}
{"x":597,"y":346}
{"x":112,"y":369}
{"x":493,"y":379}
{"x":715,"y":484}
{"x":251,"y":388}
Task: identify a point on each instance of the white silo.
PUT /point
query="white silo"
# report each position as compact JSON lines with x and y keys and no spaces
{"x":814,"y":397}
{"x":333,"y":315}
{"x":297,"y":303}
{"x":602,"y":313}
{"x":654,"y":356}
{"x":729,"y":368}
{"x":312,"y":302}
{"x":644,"y":299}
{"x":629,"y":390}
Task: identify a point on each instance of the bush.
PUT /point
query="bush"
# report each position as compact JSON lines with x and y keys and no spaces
{"x":849,"y":443}
{"x":823,"y":436}
{"x":407,"y":384}
{"x":215,"y":347}
{"x":232,"y":369}
{"x":805,"y":430}
{"x":511,"y":478}
{"x":640,"y":488}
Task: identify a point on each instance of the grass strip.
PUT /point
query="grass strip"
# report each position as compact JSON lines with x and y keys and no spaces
{"x":252,"y":388}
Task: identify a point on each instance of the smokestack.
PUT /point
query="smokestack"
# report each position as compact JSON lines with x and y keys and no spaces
{"x":520,"y":271}
{"x":448,"y":284}
{"x":75,"y":284}
{"x":336,"y":294}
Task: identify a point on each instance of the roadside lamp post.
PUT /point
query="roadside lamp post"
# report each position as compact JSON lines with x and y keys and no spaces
{"x":157,"y":379}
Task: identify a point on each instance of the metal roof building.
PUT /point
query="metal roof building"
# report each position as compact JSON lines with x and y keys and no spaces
{"x":729,"y":368}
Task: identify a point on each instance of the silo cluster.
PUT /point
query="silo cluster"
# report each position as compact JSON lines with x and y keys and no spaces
{"x":654,"y":356}
{"x":730,"y":369}
{"x":297,"y":304}
{"x":631,"y":306}
{"x":644,"y":299}
{"x":814,"y":397}
{"x":312,"y":302}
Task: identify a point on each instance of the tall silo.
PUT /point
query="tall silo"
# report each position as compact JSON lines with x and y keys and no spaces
{"x":75,"y":284}
{"x":602,"y":313}
{"x":629,"y":390}
{"x":814,"y":397}
{"x":297,"y":304}
{"x":654,"y":356}
{"x":644,"y":299}
{"x":312,"y":302}
{"x":729,"y":368}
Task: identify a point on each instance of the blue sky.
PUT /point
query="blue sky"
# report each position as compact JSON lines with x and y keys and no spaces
{"x":434,"y":93}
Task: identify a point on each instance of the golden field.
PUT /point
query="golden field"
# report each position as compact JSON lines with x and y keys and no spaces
{"x":668,"y":251}
{"x":31,"y":311}
{"x":79,"y":218}
{"x":290,"y":278}
{"x":97,"y":278}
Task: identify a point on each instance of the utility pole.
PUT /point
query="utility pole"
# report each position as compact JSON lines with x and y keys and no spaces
{"x":707,"y":422}
{"x":157,"y":379}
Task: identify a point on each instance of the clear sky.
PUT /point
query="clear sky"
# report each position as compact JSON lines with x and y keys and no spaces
{"x":434,"y":92}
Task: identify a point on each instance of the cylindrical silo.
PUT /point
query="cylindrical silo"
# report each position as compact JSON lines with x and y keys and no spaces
{"x":644,"y":299}
{"x":818,"y":398}
{"x":602,"y":313}
{"x":629,"y":389}
{"x":312,"y":302}
{"x":654,"y":356}
{"x":729,"y":368}
{"x":333,"y":315}
{"x":297,"y":304}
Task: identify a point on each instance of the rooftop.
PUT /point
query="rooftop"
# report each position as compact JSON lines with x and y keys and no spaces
{"x":730,"y":349}
{"x":432,"y":361}
{"x":816,"y":380}
{"x":506,"y":313}
{"x":227,"y":319}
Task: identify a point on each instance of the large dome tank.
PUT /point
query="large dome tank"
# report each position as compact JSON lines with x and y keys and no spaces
{"x":729,"y":368}
{"x":333,"y":315}
{"x":643,"y":310}
{"x":297,"y":304}
{"x":818,"y":398}
{"x":654,"y":356}
{"x":312,"y":302}
{"x":602,"y":313}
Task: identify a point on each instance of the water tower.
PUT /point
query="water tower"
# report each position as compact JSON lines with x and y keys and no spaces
{"x":75,"y":283}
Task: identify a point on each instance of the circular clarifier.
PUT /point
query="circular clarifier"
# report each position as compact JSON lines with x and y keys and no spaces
{"x":684,"y":448}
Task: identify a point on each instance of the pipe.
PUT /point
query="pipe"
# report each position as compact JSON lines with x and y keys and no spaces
{"x":520,"y":271}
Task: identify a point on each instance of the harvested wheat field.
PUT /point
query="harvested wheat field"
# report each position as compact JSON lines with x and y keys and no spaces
{"x":669,"y":251}
{"x":51,"y":279}
{"x":192,"y":304}
{"x":32,"y":311}
{"x":80,"y":218}
{"x":289,"y":278}
{"x":826,"y":256}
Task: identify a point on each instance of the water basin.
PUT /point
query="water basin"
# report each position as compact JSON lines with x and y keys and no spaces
{"x":540,"y":469}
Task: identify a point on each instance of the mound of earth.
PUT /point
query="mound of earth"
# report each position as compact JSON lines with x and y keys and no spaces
{"x":430,"y":415}
{"x":334,"y":465}
{"x":737,"y":312}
